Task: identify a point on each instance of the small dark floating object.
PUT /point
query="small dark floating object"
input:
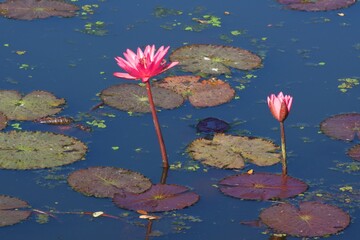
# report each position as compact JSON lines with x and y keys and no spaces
{"x":210,"y":124}
{"x":55,"y":120}
{"x":309,"y":219}
{"x":316,"y":5}
{"x":10,"y":212}
{"x":342,"y":126}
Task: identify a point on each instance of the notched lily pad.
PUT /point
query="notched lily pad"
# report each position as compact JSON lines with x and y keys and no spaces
{"x":159,"y":198}
{"x":32,"y":9}
{"x":214,"y":59}
{"x":316,"y":5}
{"x":212,"y":125}
{"x":342,"y":126}
{"x":309,"y":219}
{"x":35,"y":150}
{"x":106,"y":181}
{"x":10,"y":212}
{"x":133,"y":98}
{"x":34,"y":105}
{"x":261,"y":186}
{"x":205,"y":93}
{"x":354,"y":152}
{"x":230,"y":152}
{"x":3,"y":121}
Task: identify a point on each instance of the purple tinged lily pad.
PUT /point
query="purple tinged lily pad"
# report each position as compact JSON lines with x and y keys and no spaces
{"x":354,"y":152}
{"x":316,"y":5}
{"x":261,"y":186}
{"x":159,"y":198}
{"x":309,"y":219}
{"x":9,"y":210}
{"x":32,"y":9}
{"x":342,"y":126}
{"x":211,"y":125}
{"x":106,"y":181}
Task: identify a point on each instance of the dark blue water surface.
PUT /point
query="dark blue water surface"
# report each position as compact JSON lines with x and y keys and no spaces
{"x":77,"y":66}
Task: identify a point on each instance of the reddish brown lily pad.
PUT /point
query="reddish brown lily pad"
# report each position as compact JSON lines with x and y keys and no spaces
{"x":32,"y":9}
{"x":9,"y":210}
{"x":134,"y":98}
{"x":316,"y":5}
{"x":310,"y":219}
{"x":261,"y":186}
{"x":159,"y":198}
{"x":354,"y":152}
{"x":342,"y":126}
{"x":106,"y":181}
{"x":230,"y":152}
{"x":34,"y":105}
{"x":3,"y":121}
{"x":214,"y":59}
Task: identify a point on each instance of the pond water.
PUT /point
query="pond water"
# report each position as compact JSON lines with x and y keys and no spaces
{"x":305,"y":54}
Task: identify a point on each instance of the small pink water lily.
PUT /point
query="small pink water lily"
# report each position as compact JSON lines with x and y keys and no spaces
{"x":280,"y":105}
{"x":144,"y":64}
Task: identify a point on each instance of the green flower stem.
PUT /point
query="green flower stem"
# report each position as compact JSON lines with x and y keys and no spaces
{"x":283,"y":149}
{"x":157,"y":127}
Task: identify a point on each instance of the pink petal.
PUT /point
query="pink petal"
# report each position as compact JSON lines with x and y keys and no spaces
{"x":124,"y":75}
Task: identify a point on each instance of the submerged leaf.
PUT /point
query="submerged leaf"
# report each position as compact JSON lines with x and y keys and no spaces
{"x":32,"y":9}
{"x":342,"y":126}
{"x":159,"y":198}
{"x":227,"y":151}
{"x":34,"y":105}
{"x":9,"y":210}
{"x":106,"y":181}
{"x":310,"y":219}
{"x":35,"y":150}
{"x":261,"y":186}
{"x":316,"y":5}
{"x":214,"y":59}
{"x":211,"y":125}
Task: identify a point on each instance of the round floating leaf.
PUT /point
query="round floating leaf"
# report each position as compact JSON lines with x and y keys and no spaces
{"x":354,"y":152}
{"x":182,"y":85}
{"x":32,"y":9}
{"x":106,"y":181}
{"x":134,"y":98}
{"x":342,"y":126}
{"x":35,"y":150}
{"x":9,"y":210}
{"x":261,"y":186}
{"x":159,"y":198}
{"x":211,"y":125}
{"x":214,"y":59}
{"x":227,"y":151}
{"x":36,"y":104}
{"x":316,"y":5}
{"x":310,"y":219}
{"x":3,"y":121}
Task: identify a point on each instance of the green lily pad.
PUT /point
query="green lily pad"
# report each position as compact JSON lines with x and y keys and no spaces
{"x":214,"y":59}
{"x":35,"y":150}
{"x":34,"y":105}
{"x":342,"y":126}
{"x":159,"y":198}
{"x":261,"y":186}
{"x":134,"y":98}
{"x":231,"y":152}
{"x":3,"y":121}
{"x":106,"y":181}
{"x":309,"y":219}
{"x":32,"y":9}
{"x":316,"y":5}
{"x":9,"y":210}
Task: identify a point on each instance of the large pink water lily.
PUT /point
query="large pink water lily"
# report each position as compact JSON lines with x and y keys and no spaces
{"x":280,"y":105}
{"x":144,"y":64}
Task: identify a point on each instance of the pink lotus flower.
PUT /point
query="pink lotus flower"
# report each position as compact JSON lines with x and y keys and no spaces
{"x":280,"y":105}
{"x":143,"y":65}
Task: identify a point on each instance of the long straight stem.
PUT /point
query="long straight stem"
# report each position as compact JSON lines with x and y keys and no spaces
{"x":157,"y":127}
{"x":283,"y":149}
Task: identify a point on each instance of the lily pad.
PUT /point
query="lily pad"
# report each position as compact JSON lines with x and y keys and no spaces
{"x":34,"y":105}
{"x":35,"y":150}
{"x":214,"y":59}
{"x":106,"y":181}
{"x":310,"y":219}
{"x":316,"y":5}
{"x":134,"y":98}
{"x":9,"y":210}
{"x":211,"y":125}
{"x":230,"y":152}
{"x":261,"y":186}
{"x":342,"y":126}
{"x":354,"y":152}
{"x":32,"y":9}
{"x":159,"y":198}
{"x":3,"y":121}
